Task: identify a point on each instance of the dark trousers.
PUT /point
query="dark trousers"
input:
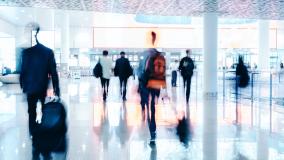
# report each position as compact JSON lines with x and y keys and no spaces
{"x":123,"y":85}
{"x":144,"y":96}
{"x":154,"y":93}
{"x":36,"y":154}
{"x":186,"y":85}
{"x":105,"y":85}
{"x":32,"y":104}
{"x":174,"y":78}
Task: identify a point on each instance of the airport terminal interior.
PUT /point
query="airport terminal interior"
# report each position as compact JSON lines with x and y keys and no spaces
{"x":221,"y":120}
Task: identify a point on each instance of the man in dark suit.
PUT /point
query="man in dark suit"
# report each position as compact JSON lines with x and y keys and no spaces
{"x":38,"y":66}
{"x":123,"y":70}
{"x":186,"y":67}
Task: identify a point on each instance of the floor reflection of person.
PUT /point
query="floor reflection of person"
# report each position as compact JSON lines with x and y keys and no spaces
{"x":105,"y":127}
{"x":102,"y":130}
{"x":122,"y":129}
{"x":183,"y":128}
{"x":153,"y":153}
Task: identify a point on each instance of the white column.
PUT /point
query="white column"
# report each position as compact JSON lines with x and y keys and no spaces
{"x":262,"y":145}
{"x":65,"y":39}
{"x":7,"y":28}
{"x":168,"y":61}
{"x":210,"y":25}
{"x":263,"y":45}
{"x":209,"y":128}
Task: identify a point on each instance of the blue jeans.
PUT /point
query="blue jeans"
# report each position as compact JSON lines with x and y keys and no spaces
{"x":174,"y":78}
{"x":151,"y":118}
{"x":144,"y":94}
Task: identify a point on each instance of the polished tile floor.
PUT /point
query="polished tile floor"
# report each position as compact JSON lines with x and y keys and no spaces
{"x":229,"y":127}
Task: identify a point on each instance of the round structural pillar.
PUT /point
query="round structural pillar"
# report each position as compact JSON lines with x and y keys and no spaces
{"x":210,"y":32}
{"x":263,"y":45}
{"x":65,"y":39}
{"x":209,"y":128}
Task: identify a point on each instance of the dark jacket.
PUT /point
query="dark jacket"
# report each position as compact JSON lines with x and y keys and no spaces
{"x":186,"y":66}
{"x":122,"y":68}
{"x":242,"y":73}
{"x":38,"y":63}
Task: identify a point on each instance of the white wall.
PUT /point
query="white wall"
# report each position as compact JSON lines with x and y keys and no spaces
{"x":81,"y":37}
{"x":7,"y":27}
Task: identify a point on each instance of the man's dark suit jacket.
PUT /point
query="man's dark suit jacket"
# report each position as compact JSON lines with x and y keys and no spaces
{"x":122,"y":68}
{"x":38,"y":64}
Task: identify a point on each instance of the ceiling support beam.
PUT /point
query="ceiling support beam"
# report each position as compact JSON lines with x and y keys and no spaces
{"x":166,"y":9}
{"x":83,"y":5}
{"x":140,"y":6}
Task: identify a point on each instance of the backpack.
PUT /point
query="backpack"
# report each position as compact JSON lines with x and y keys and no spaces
{"x":98,"y":70}
{"x":187,"y":67}
{"x":156,"y":71}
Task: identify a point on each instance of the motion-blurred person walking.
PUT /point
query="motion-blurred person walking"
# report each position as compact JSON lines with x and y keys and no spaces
{"x":106,"y":63}
{"x":186,"y":67}
{"x":152,"y":79}
{"x":242,"y":73}
{"x":38,"y":64}
{"x":123,"y":70}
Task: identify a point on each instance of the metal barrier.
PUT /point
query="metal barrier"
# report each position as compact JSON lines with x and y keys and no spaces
{"x":253,"y":78}
{"x":266,"y":80}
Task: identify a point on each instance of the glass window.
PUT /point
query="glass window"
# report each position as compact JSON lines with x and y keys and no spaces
{"x":135,"y":58}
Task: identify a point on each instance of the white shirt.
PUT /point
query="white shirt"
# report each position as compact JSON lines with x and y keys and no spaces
{"x":107,"y":66}
{"x":174,"y":66}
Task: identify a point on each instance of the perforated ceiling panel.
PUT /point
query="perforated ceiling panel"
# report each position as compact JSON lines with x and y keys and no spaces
{"x":264,"y":9}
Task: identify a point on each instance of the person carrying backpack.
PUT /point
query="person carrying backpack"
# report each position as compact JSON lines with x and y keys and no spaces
{"x":186,"y":68}
{"x":152,"y":78}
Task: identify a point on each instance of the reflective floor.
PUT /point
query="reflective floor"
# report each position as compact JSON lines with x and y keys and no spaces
{"x":229,"y":127}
